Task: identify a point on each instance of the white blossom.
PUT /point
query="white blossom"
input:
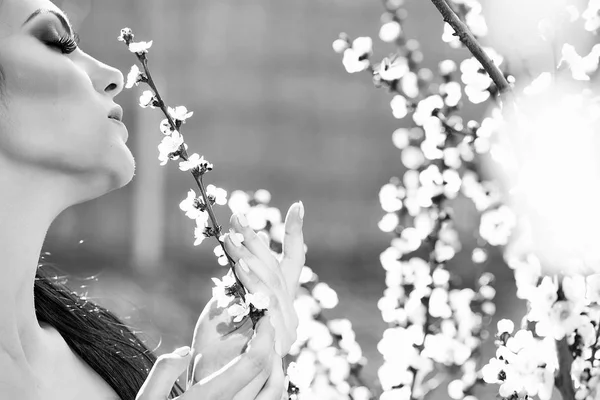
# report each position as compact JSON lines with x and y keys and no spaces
{"x":179,"y":113}
{"x":133,"y":76}
{"x":168,"y":146}
{"x":140,"y":47}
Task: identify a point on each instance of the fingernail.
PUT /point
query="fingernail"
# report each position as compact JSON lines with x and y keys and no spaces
{"x":301,"y":210}
{"x":182,"y":351}
{"x":243,"y":265}
{"x":242,"y":220}
{"x":236,"y":238}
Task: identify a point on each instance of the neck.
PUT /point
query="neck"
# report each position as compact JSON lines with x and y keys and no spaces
{"x":25,"y":216}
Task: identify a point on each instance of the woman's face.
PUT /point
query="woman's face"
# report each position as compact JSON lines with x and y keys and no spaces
{"x":54,"y":117}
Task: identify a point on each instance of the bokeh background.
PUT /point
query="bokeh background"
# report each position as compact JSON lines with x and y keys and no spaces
{"x":273,"y":109}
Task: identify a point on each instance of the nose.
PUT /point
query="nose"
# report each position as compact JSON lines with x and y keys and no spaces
{"x":106,"y":79}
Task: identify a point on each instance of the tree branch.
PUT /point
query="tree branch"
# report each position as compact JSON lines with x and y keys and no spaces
{"x":563,"y":381}
{"x":466,"y":37}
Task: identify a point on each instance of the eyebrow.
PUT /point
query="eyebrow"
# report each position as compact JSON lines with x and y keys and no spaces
{"x":62,"y":18}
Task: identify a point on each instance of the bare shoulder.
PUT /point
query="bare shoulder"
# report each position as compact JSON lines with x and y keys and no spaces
{"x":73,"y":378}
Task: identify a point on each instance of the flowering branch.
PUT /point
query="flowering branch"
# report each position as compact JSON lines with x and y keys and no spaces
{"x":466,"y":37}
{"x":174,"y":147}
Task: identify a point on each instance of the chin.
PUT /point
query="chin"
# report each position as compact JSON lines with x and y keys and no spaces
{"x":120,"y":169}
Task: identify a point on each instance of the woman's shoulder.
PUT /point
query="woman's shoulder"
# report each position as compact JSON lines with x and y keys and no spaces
{"x":72,"y":377}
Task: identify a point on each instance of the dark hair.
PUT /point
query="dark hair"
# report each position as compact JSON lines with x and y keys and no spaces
{"x":95,"y":334}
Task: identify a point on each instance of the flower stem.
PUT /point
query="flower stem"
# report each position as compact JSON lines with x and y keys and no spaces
{"x":466,"y":37}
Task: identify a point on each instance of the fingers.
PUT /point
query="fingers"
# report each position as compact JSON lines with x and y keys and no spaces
{"x":270,"y":276}
{"x":252,"y":241}
{"x":163,"y":375}
{"x":254,"y":363}
{"x":293,"y":247}
{"x":280,"y":309}
{"x":274,"y":387}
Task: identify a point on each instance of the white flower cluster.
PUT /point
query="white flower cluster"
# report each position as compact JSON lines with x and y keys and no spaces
{"x":564,"y":316}
{"x":524,"y":366}
{"x":327,"y":358}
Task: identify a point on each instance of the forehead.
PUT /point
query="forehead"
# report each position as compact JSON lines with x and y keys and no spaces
{"x":14,"y":12}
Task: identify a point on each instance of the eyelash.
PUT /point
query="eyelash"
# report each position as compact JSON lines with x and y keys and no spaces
{"x":66,"y":44}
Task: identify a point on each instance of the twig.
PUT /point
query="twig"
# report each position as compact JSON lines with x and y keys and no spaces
{"x":466,"y":37}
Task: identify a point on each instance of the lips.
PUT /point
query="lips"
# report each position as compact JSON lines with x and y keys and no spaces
{"x":116,"y":113}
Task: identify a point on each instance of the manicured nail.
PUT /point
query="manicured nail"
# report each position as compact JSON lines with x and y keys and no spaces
{"x":301,"y":210}
{"x":236,"y":238}
{"x":182,"y":351}
{"x":243,"y":265}
{"x":242,"y":220}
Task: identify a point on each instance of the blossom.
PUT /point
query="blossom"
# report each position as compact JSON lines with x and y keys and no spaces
{"x":220,"y":254}
{"x":195,"y":161}
{"x":505,"y":326}
{"x":390,"y":70}
{"x":140,"y":47}
{"x":238,"y":311}
{"x":147,"y":99}
{"x":580,"y":66}
{"x":126,"y":35}
{"x":593,"y":288}
{"x":133,"y":77}
{"x":219,"y":291}
{"x":591,"y":15}
{"x":220,"y":195}
{"x":165,"y":127}
{"x":339,"y":45}
{"x":200,"y":229}
{"x":399,"y":106}
{"x":390,"y":31}
{"x":356,"y":58}
{"x":180,"y":113}
{"x":326,"y":296}
{"x":190,"y":205}
{"x":169,"y":146}
{"x":259,"y":300}
{"x":497,"y":225}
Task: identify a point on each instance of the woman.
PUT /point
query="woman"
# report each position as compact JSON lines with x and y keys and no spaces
{"x":58,"y":147}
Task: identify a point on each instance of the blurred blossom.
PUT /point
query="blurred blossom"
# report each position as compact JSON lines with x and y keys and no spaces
{"x":325,"y":295}
{"x":390,"y":70}
{"x":591,"y":15}
{"x":399,"y":106}
{"x":410,"y":84}
{"x":340,"y":45}
{"x":238,"y":202}
{"x":390,"y":31}
{"x":401,"y":138}
{"x":452,"y":93}
{"x":447,"y":67}
{"x":580,"y":66}
{"x":449,"y":37}
{"x":412,"y":157}
{"x":356,"y":58}
{"x":551,"y":170}
{"x":389,"y":222}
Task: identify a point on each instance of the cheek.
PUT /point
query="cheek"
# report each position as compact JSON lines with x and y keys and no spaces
{"x":54,"y":116}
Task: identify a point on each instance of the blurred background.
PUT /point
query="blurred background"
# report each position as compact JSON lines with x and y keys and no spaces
{"x":273,"y":109}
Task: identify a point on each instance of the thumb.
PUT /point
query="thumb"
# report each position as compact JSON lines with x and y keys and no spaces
{"x":163,"y":374}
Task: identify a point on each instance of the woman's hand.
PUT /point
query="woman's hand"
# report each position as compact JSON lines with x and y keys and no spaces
{"x":254,"y":373}
{"x":216,"y":337}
